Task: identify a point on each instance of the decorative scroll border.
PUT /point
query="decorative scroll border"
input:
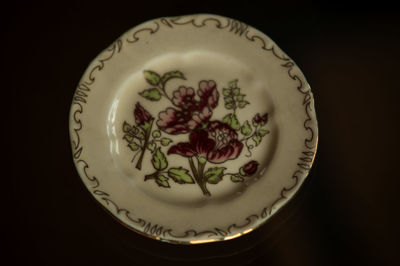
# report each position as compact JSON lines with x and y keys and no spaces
{"x":158,"y":231}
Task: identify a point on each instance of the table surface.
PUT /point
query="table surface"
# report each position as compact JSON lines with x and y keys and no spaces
{"x":346,"y":210}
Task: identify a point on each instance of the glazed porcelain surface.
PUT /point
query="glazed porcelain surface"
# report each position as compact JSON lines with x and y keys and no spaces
{"x":193,"y":129}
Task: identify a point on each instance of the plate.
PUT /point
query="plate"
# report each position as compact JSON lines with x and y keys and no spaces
{"x":193,"y":129}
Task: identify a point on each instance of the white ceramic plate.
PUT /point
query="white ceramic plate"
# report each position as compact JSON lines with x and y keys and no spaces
{"x":193,"y":129}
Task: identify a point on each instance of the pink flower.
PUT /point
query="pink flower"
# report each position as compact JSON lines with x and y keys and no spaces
{"x":184,"y":97}
{"x":189,"y":112}
{"x":217,"y":143}
{"x":208,"y":93}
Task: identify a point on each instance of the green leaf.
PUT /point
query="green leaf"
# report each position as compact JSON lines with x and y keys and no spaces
{"x":227,"y":119}
{"x":235,"y":122}
{"x":229,"y":106}
{"x":241,"y":172}
{"x":126,"y":127}
{"x":134,"y":130}
{"x":257,"y":139}
{"x":240,"y":97}
{"x":130,"y":129}
{"x":237,"y":178}
{"x":236,"y":91}
{"x":232,"y":120}
{"x":159,"y":160}
{"x":140,"y":136}
{"x":170,"y":75}
{"x":246,"y":128}
{"x":152,"y":94}
{"x":165,"y":141}
{"x":180,"y":175}
{"x":226,"y":92}
{"x":146,"y":125}
{"x":233,"y":83}
{"x":128,"y":138}
{"x":156,"y":134}
{"x":151,"y":77}
{"x":201,"y":159}
{"x":151,"y":147}
{"x":214,"y":175}
{"x":229,"y":100}
{"x":263,"y":132}
{"x":133,"y":146}
{"x":254,"y":124}
{"x":242,"y":104}
{"x":162,"y":181}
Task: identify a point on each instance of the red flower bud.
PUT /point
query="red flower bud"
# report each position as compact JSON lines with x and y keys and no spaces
{"x":249,"y":169}
{"x":141,"y":115}
{"x":260,"y":119}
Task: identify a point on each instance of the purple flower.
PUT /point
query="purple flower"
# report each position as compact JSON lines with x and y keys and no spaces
{"x":217,"y":143}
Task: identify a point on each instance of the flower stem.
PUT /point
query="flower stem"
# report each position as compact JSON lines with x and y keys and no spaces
{"x":245,"y":139}
{"x":134,"y":156}
{"x":144,"y":147}
{"x":249,"y":137}
{"x":162,"y":88}
{"x":139,"y":162}
{"x":199,"y":175}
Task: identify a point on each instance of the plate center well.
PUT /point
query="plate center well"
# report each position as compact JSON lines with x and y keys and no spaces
{"x":192,"y":128}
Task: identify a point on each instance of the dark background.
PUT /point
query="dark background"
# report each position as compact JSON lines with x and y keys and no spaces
{"x":347,"y":210}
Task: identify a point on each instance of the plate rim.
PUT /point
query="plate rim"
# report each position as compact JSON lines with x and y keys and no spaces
{"x":155,"y":231}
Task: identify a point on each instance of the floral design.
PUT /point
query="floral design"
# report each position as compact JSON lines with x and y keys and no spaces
{"x":217,"y":143}
{"x":209,"y":141}
{"x":189,"y":112}
{"x":138,"y":137}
